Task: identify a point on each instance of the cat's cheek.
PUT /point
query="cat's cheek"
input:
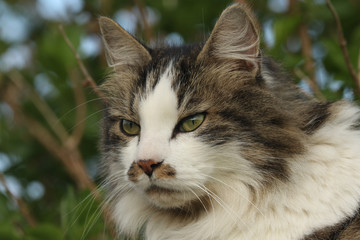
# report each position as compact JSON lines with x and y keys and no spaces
{"x":190,"y":157}
{"x":128,"y":153}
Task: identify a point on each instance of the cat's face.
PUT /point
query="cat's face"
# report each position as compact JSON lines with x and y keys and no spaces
{"x":182,"y":121}
{"x":169,"y":137}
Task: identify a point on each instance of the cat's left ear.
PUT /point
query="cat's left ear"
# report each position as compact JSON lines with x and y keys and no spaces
{"x":234,"y":39}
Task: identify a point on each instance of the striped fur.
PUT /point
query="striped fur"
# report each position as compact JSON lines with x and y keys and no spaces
{"x":268,"y":161}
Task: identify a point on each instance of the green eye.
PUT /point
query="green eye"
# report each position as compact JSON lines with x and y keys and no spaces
{"x":191,"y":123}
{"x":129,"y":128}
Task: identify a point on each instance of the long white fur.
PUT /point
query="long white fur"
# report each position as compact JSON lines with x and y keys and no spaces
{"x":324,"y":186}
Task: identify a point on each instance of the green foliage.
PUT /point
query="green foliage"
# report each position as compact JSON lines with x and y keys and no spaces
{"x":80,"y":218}
{"x":7,"y":217}
{"x":284,"y":27}
{"x":44,"y":232}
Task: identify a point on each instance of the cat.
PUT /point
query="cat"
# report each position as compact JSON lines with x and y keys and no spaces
{"x":214,"y":141}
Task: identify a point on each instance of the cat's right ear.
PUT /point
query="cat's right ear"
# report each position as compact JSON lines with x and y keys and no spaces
{"x":120,"y":47}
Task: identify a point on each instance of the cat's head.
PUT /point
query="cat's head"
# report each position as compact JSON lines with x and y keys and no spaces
{"x":181,"y":121}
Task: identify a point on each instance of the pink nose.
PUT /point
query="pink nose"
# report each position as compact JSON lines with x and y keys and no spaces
{"x":148,"y":166}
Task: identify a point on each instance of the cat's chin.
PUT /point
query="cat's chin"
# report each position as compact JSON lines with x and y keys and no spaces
{"x":168,"y":198}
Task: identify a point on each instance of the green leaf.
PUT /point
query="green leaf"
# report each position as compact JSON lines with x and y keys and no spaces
{"x":284,"y":27}
{"x":44,"y":231}
{"x":8,"y":232}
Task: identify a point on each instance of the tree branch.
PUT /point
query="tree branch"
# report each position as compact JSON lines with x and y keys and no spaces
{"x":88,"y":79}
{"x":74,"y":153}
{"x":143,"y":14}
{"x":306,"y":50}
{"x":303,"y":76}
{"x":81,"y":106}
{"x":41,"y":105}
{"x":343,"y":46}
{"x":68,"y":154}
{"x":24,"y":210}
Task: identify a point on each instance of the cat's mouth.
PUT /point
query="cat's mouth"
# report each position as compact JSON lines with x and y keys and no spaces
{"x":179,"y":202}
{"x":167,"y":198}
{"x":154,"y":189}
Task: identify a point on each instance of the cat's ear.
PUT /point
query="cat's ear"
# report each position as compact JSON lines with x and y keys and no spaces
{"x":120,"y":47}
{"x":234,"y":39}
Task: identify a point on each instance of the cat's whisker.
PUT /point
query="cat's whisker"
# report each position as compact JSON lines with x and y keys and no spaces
{"x":89,"y":222}
{"x":75,"y":108}
{"x":212,"y":207}
{"x":197,"y":196}
{"x":237,"y":191}
{"x":78,"y":206}
{"x":95,"y":215}
{"x":119,"y":189}
{"x":89,"y":116}
{"x":221,"y":203}
{"x":214,"y":216}
{"x":85,"y":120}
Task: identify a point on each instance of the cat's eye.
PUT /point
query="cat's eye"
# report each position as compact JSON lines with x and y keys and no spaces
{"x":191,"y":123}
{"x":129,"y":128}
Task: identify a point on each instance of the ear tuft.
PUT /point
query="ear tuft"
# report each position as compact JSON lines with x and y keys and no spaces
{"x":120,"y":47}
{"x":235,"y":38}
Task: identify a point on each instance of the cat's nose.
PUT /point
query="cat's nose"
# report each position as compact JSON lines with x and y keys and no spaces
{"x":148,"y":166}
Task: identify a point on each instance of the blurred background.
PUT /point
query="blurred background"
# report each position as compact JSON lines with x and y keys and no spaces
{"x":52,"y":60}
